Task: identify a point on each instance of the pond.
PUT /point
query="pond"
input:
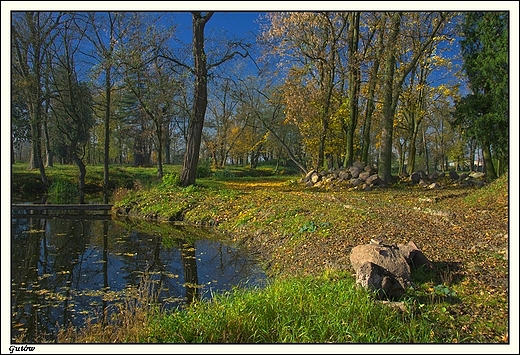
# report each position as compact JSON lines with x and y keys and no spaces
{"x":66,"y":269}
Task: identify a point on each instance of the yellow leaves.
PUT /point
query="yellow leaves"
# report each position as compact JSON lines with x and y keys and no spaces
{"x":32,"y":231}
{"x":438,"y":61}
{"x":445,"y":90}
{"x":127,"y":254}
{"x":342,"y":113}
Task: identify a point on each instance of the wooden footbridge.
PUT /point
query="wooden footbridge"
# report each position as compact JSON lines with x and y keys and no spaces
{"x":60,"y":207}
{"x":35,"y":210}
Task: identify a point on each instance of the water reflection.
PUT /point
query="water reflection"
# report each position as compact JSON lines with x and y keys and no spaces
{"x":67,"y":270}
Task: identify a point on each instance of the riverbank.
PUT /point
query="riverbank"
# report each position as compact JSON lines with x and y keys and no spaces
{"x":301,"y":232}
{"x":306,"y":233}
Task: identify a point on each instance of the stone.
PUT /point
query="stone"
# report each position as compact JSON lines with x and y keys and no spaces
{"x":364,"y":175}
{"x":359,"y":165}
{"x":383,"y":283}
{"x":356,"y":182}
{"x":387,"y":257}
{"x":354,"y":171}
{"x":415,"y":257}
{"x":344,"y":175}
{"x":415,"y":177}
{"x":370,"y":169}
{"x":386,"y":268}
{"x":373,"y":180}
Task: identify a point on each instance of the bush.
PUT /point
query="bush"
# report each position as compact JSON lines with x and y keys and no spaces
{"x":171,"y":180}
{"x":204,"y":169}
{"x":224,"y":174}
{"x":62,"y":191}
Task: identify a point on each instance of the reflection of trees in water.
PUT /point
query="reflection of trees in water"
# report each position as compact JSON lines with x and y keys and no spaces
{"x":44,"y":261}
{"x":161,"y":256}
{"x":104,"y":303}
{"x":25,"y":253}
{"x":189,"y":262}
{"x":231,"y":264}
{"x":68,"y":268}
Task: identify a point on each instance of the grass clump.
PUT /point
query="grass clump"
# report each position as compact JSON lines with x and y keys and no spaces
{"x":165,"y":201}
{"x":62,"y":191}
{"x":493,"y":195}
{"x":325,"y":309}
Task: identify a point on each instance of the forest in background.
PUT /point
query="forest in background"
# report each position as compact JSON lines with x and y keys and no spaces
{"x":401,"y":91}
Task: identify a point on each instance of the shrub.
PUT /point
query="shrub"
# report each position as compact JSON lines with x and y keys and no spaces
{"x":204,"y":169}
{"x":224,"y":174}
{"x":171,"y":180}
{"x":62,"y":191}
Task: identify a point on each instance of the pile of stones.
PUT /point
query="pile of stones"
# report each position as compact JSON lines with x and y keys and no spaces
{"x":364,"y":177}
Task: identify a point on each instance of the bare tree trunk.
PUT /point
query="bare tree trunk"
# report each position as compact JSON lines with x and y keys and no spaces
{"x":321,"y":149}
{"x":389,"y":104}
{"x":106,"y":156}
{"x":488,"y":163}
{"x":49,"y":154}
{"x":36,"y":158}
{"x":354,"y":84}
{"x":393,"y":89}
{"x":167,"y":145}
{"x":426,"y":158}
{"x":81,"y":180}
{"x":191,"y":157}
{"x":472,"y":150}
{"x":412,"y":148}
{"x":159,"y":130}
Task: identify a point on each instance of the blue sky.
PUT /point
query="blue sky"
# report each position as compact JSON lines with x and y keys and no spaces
{"x":239,"y":24}
{"x":242,"y":26}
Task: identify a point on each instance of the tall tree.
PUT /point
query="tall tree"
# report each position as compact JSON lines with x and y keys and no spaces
{"x":354,"y":83}
{"x":484,"y":113}
{"x":150,"y":78}
{"x":202,"y":66}
{"x":20,"y":121}
{"x":395,"y":75}
{"x":373,"y":81}
{"x":226,"y":131}
{"x":105,"y":31}
{"x":72,"y":104}
{"x":309,"y":43}
{"x":200,"y":100}
{"x":32,"y":35}
{"x":264,"y":101}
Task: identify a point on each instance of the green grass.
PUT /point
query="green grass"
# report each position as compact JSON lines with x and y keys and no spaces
{"x":326,"y":309}
{"x":496,"y":192}
{"x":62,"y":191}
{"x":120,"y":176}
{"x":130,"y":177}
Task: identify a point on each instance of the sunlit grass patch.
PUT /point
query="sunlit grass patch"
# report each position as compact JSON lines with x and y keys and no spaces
{"x":326,"y":309}
{"x":493,"y":195}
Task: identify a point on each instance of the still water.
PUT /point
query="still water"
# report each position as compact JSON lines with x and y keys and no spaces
{"x":66,"y":269}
